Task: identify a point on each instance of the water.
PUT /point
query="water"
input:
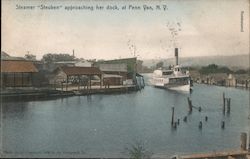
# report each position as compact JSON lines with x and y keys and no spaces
{"x":105,"y":125}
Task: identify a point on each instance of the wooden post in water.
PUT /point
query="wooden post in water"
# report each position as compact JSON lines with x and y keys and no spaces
{"x":206,"y":118}
{"x":228,"y":105}
{"x":200,"y":125}
{"x":190,"y":105}
{"x":224,"y":102}
{"x":185,"y":119}
{"x":223,"y":124}
{"x":243,"y":141}
{"x":172,"y":121}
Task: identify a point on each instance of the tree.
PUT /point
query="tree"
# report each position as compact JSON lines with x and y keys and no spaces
{"x":48,"y":58}
{"x":30,"y":57}
{"x":213,"y":68}
{"x":159,"y":64}
{"x":241,"y":71}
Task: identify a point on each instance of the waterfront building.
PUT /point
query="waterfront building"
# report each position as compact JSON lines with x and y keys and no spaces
{"x":130,"y":75}
{"x":76,"y":76}
{"x":17,"y":73}
{"x":83,"y":63}
{"x":238,"y":80}
{"x":112,"y":79}
{"x":115,"y":73}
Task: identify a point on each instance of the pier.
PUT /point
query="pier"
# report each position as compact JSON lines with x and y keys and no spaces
{"x":35,"y":94}
{"x":222,"y":155}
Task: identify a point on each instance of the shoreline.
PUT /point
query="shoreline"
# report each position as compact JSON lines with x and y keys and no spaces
{"x":46,"y":94}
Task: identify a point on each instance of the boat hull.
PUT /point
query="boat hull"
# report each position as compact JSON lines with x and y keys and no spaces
{"x":182,"y":88}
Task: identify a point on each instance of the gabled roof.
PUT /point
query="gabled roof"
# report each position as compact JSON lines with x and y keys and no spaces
{"x":81,"y":71}
{"x":11,"y":66}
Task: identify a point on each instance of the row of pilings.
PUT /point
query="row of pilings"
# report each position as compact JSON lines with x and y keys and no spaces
{"x":226,"y":109}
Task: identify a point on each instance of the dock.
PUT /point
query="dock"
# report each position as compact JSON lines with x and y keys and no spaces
{"x":37,"y":94}
{"x":235,"y":154}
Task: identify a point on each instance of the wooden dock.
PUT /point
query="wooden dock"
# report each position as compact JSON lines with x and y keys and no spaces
{"x":37,"y":94}
{"x":221,"y":155}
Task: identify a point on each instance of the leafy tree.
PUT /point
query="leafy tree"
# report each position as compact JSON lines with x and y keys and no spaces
{"x":241,"y":71}
{"x":48,"y":58}
{"x":159,"y":64}
{"x":213,"y":68}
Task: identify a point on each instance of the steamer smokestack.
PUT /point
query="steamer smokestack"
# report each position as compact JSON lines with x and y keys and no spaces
{"x":176,"y":56}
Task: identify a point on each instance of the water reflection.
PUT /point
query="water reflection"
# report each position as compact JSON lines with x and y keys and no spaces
{"x":104,"y":124}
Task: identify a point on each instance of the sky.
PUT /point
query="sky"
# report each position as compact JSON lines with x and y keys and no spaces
{"x":196,"y":27}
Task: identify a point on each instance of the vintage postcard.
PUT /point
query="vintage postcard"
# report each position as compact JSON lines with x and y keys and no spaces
{"x":125,"y":79}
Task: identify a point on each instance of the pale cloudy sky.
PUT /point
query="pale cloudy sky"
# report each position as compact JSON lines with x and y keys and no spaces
{"x":199,"y":28}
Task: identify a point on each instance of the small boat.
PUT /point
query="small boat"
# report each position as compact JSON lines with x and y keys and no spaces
{"x":174,"y":78}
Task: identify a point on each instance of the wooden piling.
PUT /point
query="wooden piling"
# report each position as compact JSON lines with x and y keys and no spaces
{"x":190,"y":105}
{"x":224,"y":102}
{"x":223,"y":124}
{"x":185,"y":119}
{"x":243,"y":141}
{"x":174,"y":125}
{"x":172,"y":121}
{"x":228,"y":105}
{"x":199,"y":109}
{"x":206,"y":118}
{"x":200,"y":125}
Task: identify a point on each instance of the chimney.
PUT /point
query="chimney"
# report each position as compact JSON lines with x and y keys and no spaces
{"x":73,"y":53}
{"x":176,"y":56}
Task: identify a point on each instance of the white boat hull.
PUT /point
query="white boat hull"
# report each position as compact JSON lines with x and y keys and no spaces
{"x":184,"y":88}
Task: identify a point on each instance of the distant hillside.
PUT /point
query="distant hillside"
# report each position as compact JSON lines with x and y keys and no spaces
{"x":241,"y":61}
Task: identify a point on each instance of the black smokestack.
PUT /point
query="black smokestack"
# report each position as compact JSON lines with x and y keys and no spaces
{"x":176,"y":55}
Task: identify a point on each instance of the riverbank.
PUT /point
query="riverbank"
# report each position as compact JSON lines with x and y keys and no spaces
{"x":37,"y":94}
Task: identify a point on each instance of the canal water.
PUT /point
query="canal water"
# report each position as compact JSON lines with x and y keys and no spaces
{"x":108,"y":125}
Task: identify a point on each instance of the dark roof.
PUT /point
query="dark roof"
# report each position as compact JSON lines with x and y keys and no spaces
{"x":11,"y":66}
{"x":81,"y":71}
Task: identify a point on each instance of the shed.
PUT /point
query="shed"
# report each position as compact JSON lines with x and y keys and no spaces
{"x":76,"y":75}
{"x":110,"y":79}
{"x":17,"y":73}
{"x":115,"y":69}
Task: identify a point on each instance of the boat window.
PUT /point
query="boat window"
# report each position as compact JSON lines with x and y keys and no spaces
{"x":183,"y":80}
{"x":167,"y":73}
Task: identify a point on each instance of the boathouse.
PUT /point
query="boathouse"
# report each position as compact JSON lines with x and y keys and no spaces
{"x":238,"y":80}
{"x":77,"y":76}
{"x":114,"y":74}
{"x":115,"y":69}
{"x":17,"y":73}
